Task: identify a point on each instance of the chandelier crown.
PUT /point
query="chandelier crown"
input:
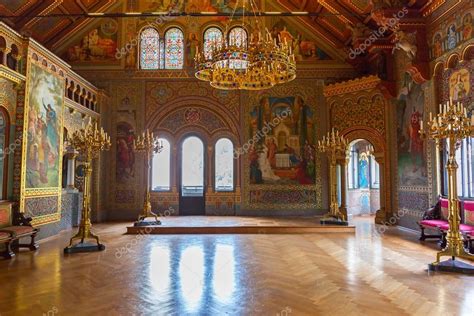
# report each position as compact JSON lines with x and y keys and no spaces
{"x":232,"y":64}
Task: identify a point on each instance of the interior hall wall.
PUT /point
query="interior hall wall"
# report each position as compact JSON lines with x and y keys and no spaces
{"x":173,"y":108}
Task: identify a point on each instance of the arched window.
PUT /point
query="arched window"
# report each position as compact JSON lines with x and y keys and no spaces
{"x":224,"y":165}
{"x":211,"y":35}
{"x":238,"y":37}
{"x":192,"y":167}
{"x":465,"y":172}
{"x":174,"y":49}
{"x":161,"y":168}
{"x":149,"y":49}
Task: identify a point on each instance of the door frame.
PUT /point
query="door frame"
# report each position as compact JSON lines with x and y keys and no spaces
{"x":180,"y":172}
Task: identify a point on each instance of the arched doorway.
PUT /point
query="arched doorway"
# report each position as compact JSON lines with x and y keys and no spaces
{"x":363,"y":180}
{"x":192,"y":184}
{"x":380,"y":156}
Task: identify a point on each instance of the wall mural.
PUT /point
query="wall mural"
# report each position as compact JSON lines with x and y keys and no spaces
{"x":282,"y":150}
{"x":44,"y":127}
{"x":412,"y":168}
{"x":97,"y":46}
{"x":454,"y":31}
{"x":458,"y":83}
{"x":125,"y":167}
{"x":304,"y":49}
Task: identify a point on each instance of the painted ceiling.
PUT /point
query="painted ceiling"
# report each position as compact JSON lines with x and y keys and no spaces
{"x":331,"y":28}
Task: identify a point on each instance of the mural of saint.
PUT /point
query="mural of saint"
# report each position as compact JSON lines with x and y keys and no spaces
{"x":44,"y":138}
{"x":467,"y":27}
{"x":283,"y":132}
{"x":452,"y":41}
{"x":125,"y":168}
{"x":459,"y":85}
{"x":411,"y":161}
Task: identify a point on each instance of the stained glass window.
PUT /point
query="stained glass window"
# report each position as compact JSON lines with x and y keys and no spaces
{"x":224,"y":177}
{"x":174,"y":49}
{"x":149,"y":49}
{"x":212,"y":34}
{"x":238,"y":37}
{"x":161,"y":168}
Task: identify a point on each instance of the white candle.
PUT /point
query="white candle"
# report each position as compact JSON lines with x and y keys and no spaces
{"x":421,"y":124}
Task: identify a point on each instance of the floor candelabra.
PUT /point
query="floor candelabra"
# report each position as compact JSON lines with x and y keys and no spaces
{"x":334,"y":145}
{"x":89,"y":141}
{"x":148,"y":144}
{"x":452,"y":125}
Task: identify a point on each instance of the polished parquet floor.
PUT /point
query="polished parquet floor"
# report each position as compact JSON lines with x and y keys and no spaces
{"x":369,"y":273}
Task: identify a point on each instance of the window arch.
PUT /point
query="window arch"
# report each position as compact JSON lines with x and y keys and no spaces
{"x":161,"y":168}
{"x":149,"y":49}
{"x":224,"y":165}
{"x":174,"y":49}
{"x":238,"y":37}
{"x":211,"y":35}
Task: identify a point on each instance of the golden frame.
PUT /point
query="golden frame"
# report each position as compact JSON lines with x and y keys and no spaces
{"x":27,"y":193}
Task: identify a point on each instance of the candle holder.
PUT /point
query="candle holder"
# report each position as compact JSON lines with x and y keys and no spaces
{"x":451,"y":124}
{"x":334,"y":145}
{"x":89,"y":141}
{"x":148,"y":144}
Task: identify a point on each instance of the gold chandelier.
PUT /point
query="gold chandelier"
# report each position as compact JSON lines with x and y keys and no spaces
{"x":260,"y":64}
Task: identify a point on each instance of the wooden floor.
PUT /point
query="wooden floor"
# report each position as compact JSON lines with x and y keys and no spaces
{"x":238,"y":225}
{"x":370,"y":273}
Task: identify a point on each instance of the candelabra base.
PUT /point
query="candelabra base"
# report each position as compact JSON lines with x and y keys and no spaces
{"x":333,"y":220}
{"x":451,"y":265}
{"x":144,"y":222}
{"x":84,"y":247}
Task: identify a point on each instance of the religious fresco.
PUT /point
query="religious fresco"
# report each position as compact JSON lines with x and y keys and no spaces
{"x":44,"y":127}
{"x":281,"y":142}
{"x":125,"y":167}
{"x":455,"y":31}
{"x":412,"y":168}
{"x":97,"y":46}
{"x":459,"y":85}
{"x":303,"y":48}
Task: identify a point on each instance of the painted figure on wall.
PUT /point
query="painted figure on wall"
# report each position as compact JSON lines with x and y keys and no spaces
{"x":459,"y":85}
{"x":452,"y":36}
{"x":98,"y":45}
{"x":467,"y":27}
{"x":125,"y":168}
{"x":44,"y":117}
{"x":411,"y":157}
{"x":303,"y":48}
{"x":363,"y":173}
{"x":282,"y":134}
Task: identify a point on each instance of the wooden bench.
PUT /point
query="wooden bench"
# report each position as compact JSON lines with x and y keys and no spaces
{"x":10,"y":236}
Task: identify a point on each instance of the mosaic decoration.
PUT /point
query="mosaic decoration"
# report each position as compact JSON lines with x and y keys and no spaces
{"x":44,"y":206}
{"x":454,"y":31}
{"x":413,"y":200}
{"x":412,"y":166}
{"x":458,"y":84}
{"x":190,"y":116}
{"x":283,"y":197}
{"x":99,"y":45}
{"x":8,"y":96}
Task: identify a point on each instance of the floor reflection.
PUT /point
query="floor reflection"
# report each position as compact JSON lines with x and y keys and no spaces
{"x":191,"y":276}
{"x":223,"y":273}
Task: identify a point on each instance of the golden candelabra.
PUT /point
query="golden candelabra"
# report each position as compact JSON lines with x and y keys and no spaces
{"x":334,"y":145}
{"x":453,"y":125}
{"x":89,"y":141}
{"x":148,"y":144}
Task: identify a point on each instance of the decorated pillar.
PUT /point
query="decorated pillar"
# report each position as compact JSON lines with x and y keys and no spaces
{"x":71,"y":156}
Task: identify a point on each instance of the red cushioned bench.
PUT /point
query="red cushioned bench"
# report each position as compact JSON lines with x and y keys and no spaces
{"x":434,"y":219}
{"x":466,"y":228}
{"x":10,"y":236}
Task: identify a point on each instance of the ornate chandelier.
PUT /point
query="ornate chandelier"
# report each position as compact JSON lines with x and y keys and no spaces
{"x":237,"y":65}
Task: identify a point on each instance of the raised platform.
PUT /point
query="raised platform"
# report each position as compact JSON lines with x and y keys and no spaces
{"x":239,"y":225}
